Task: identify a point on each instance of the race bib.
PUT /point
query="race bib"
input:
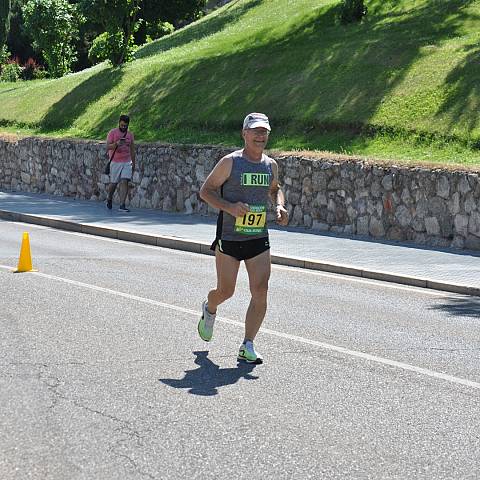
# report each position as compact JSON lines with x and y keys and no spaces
{"x":252,"y":222}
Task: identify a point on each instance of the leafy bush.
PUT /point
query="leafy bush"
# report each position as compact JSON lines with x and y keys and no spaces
{"x":4,"y":55}
{"x":155,"y":30}
{"x":11,"y":72}
{"x":110,"y":46}
{"x":352,"y":11}
{"x":32,"y":70}
{"x":98,"y":52}
{"x":119,"y":19}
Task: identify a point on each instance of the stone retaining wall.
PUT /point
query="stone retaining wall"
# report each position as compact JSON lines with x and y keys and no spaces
{"x":427,"y":206}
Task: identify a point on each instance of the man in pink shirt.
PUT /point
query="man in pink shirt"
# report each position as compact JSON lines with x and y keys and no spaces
{"x":122,"y":154}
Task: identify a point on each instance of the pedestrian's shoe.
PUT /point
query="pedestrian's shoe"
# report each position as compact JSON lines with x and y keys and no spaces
{"x":205,"y":325}
{"x":109,"y":203}
{"x":247,"y":352}
{"x":123,"y":208}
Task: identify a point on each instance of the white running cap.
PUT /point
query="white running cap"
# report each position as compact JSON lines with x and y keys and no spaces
{"x":255,"y":120}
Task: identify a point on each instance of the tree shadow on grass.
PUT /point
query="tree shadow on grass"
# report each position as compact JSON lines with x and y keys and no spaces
{"x":210,"y":26}
{"x":209,"y":377}
{"x":341,"y":83}
{"x":69,"y":108}
{"x":462,"y":102}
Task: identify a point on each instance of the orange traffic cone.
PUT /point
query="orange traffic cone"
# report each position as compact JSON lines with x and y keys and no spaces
{"x":25,"y":260}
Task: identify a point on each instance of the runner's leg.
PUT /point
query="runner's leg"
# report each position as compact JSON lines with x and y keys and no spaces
{"x":258,"y":269}
{"x":123,"y":190}
{"x":227,"y":272}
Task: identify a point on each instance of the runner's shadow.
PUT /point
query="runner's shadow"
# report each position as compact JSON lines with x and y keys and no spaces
{"x":206,"y":379}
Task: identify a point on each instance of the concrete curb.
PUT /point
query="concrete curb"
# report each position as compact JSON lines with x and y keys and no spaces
{"x":204,"y":248}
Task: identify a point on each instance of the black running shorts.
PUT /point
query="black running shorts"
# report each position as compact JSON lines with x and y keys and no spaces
{"x":242,"y":250}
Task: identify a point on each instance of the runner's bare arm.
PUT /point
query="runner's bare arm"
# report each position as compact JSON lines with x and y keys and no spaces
{"x":278,"y":198}
{"x":210,"y":191}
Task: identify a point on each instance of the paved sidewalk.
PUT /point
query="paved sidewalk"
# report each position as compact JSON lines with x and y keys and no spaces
{"x":450,"y":270}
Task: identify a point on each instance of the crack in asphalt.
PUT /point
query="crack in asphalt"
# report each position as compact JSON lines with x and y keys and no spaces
{"x":126,"y":428}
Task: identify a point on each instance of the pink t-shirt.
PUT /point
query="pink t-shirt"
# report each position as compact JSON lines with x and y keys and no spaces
{"x":122,"y":153}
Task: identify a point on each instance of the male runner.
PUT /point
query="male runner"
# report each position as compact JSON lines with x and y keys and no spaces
{"x":240,"y":186}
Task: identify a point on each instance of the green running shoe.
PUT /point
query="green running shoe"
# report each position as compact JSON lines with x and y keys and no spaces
{"x":247,"y":352}
{"x":205,"y":325}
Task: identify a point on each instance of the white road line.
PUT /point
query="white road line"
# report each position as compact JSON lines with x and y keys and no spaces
{"x":295,"y":338}
{"x":336,"y":276}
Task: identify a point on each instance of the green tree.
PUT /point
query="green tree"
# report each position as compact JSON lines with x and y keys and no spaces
{"x":172,"y":11}
{"x":118,"y":18}
{"x":19,"y":41}
{"x":5,"y":6}
{"x":176,"y":12}
{"x":53,"y":25}
{"x":127,"y":21}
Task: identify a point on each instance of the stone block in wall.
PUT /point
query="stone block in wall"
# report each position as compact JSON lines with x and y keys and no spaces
{"x":403,"y":216}
{"x":297,"y":215}
{"x":334,"y":184}
{"x":438,"y":241}
{"x":461,"y":225}
{"x":437,"y":206}
{"x":443,"y":187}
{"x":26,"y":178}
{"x":432,"y":226}
{"x":387,"y":182}
{"x":470,"y":204}
{"x":421,"y":209}
{"x":376,"y":227}
{"x":293,"y":197}
{"x":454,"y":204}
{"x":474,"y":180}
{"x":320,"y":226}
{"x":351,"y":212}
{"x":472,"y":242}
{"x":458,"y":242}
{"x":464,"y":185}
{"x":188,"y":207}
{"x":319,"y":181}
{"x":167,"y":204}
{"x":474,"y":224}
{"x":200,"y":173}
{"x":179,"y":200}
{"x":418,"y":224}
{"x":307,"y":186}
{"x":376,"y":189}
{"x":362,"y":225}
{"x":396,"y":234}
{"x":406,"y":197}
{"x":307,"y":221}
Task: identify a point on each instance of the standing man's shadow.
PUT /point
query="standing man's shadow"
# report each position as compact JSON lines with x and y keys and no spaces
{"x":206,"y":379}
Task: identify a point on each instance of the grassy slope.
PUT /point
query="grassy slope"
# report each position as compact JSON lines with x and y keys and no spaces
{"x":411,"y":71}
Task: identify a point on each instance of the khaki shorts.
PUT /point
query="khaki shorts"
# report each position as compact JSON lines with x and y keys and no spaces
{"x":120,"y":171}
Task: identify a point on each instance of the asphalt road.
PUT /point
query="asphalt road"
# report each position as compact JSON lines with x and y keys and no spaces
{"x":103,"y":376}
